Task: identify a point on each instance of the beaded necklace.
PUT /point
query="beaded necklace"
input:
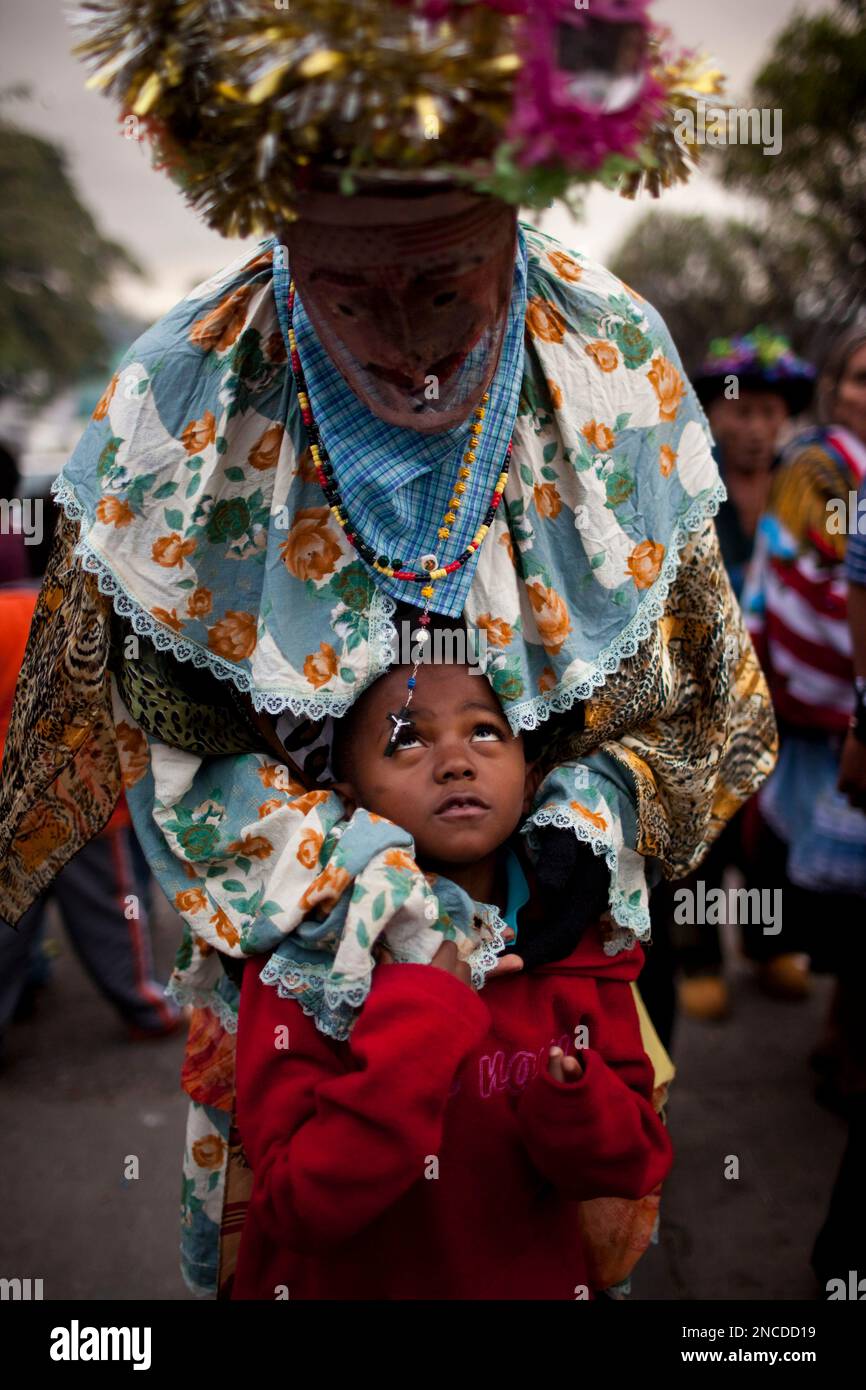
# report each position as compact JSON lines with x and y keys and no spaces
{"x":430,"y":567}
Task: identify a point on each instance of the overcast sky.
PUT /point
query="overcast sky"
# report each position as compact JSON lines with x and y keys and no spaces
{"x":143,"y":210}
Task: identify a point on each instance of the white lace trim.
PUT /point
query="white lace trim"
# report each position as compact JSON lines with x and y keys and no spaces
{"x":383,"y":634}
{"x":624,"y":940}
{"x":330,"y":1006}
{"x":486,"y":955}
{"x":530,"y":713}
{"x":204,"y":999}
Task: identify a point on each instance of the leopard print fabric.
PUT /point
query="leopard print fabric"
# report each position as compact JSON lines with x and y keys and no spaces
{"x":180,"y":705}
{"x":61,"y":775}
{"x":688,"y":717}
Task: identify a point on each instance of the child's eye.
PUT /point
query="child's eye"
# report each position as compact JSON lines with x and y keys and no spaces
{"x":408,"y":737}
{"x":491,"y":728}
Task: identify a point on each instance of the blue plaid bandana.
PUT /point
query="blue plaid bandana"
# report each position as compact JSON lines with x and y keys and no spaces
{"x":396,"y":483}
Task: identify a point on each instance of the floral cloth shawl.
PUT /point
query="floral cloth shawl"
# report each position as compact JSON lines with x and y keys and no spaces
{"x":194,"y":462}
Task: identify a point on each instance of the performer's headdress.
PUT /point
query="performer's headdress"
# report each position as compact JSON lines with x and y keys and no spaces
{"x":247,"y":102}
{"x":441,"y":117}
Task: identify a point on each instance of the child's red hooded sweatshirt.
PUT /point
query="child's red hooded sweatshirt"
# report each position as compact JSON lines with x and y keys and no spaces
{"x":432,"y":1155}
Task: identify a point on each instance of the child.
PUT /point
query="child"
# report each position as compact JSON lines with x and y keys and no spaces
{"x":444,"y":1150}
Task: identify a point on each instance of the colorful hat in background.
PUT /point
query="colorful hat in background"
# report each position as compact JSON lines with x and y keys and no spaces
{"x":243,"y":101}
{"x":761,"y":361}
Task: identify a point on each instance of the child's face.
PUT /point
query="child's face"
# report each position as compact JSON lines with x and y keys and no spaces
{"x":460,"y":744}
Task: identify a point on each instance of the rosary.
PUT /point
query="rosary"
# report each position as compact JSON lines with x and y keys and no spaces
{"x":423,"y":636}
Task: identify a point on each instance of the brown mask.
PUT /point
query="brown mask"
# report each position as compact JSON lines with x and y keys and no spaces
{"x":401,"y":287}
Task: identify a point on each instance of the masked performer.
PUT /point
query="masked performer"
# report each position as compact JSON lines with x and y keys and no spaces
{"x":404,"y":403}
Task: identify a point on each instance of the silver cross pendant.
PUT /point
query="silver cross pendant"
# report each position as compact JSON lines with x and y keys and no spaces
{"x":399,"y":723}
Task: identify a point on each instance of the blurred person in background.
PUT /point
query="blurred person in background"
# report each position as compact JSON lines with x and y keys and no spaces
{"x":751,"y":386}
{"x":852,"y":773}
{"x":810,"y":840}
{"x":97,"y":893}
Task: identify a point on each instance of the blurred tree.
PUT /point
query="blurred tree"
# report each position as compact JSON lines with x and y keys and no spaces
{"x":713,"y":278}
{"x":55,"y":269}
{"x":815,"y":188}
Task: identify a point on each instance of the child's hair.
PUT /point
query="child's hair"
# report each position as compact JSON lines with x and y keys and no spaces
{"x":341,"y":741}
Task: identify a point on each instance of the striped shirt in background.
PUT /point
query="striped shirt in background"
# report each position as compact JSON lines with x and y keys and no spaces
{"x":795,"y":596}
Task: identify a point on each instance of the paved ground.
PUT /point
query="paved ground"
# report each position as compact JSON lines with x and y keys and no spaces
{"x":744,"y":1088}
{"x":78,"y":1098}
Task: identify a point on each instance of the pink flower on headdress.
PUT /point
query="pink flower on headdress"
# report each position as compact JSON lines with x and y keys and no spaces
{"x":612,"y":11}
{"x":553,"y":123}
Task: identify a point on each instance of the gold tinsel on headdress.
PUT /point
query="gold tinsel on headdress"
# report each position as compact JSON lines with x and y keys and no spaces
{"x":666,"y":159}
{"x":237,"y":98}
{"x":242,"y":99}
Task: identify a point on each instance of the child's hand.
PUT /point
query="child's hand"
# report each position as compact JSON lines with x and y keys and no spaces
{"x":446,"y":958}
{"x":563,"y":1068}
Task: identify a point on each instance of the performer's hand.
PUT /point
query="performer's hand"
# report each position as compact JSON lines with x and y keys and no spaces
{"x":446,"y":958}
{"x":852,"y":771}
{"x":569,"y":893}
{"x":506,"y":965}
{"x":563,"y":1068}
